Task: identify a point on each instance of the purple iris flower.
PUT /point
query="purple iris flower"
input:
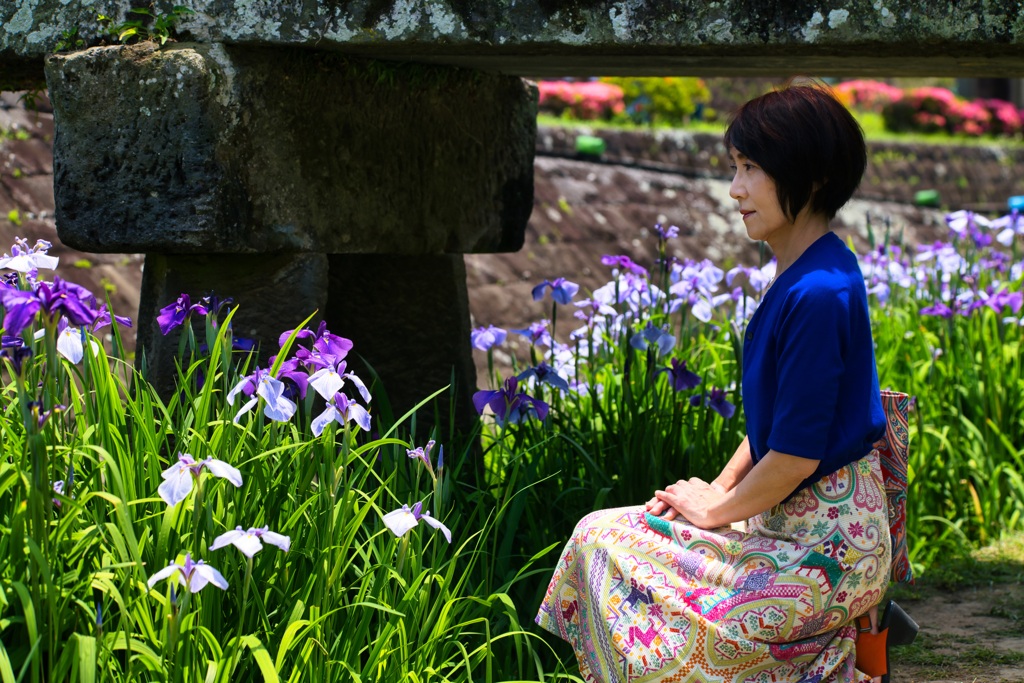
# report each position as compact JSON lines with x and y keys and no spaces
{"x":277,"y":406}
{"x":509,"y":405}
{"x":178,"y":478}
{"x":653,"y":335}
{"x":623,"y":263}
{"x":105,"y":318}
{"x":51,"y":300}
{"x":1004,"y":299}
{"x":483,"y":338}
{"x":666,"y":234}
{"x":17,"y":355}
{"x":965,"y":222}
{"x":718,"y":403}
{"x":681,"y":378}
{"x":537,"y":333}
{"x":715,"y":400}
{"x":341,"y":409}
{"x":327,"y":349}
{"x":562,"y":291}
{"x":403,"y":519}
{"x":546,"y":375}
{"x":938,"y":308}
{"x":295,"y":378}
{"x":1009,"y":226}
{"x":192,"y":575}
{"x":176,"y":314}
{"x":422,"y":454}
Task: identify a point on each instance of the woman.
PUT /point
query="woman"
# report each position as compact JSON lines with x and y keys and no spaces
{"x":668,"y":591}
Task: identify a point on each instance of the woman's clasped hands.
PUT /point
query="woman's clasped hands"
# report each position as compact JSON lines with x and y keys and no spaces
{"x":692,"y":499}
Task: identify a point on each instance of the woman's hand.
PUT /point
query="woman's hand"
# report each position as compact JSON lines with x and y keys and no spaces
{"x":690,"y":498}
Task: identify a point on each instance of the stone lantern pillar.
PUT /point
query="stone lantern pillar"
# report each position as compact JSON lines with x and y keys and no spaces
{"x":297,"y":181}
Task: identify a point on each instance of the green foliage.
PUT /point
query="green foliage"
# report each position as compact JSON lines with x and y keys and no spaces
{"x":349,"y":601}
{"x":69,"y":40}
{"x":670,"y":100}
{"x":149,"y":24}
{"x":14,"y":217}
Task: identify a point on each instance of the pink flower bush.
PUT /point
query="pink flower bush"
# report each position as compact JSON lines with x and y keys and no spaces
{"x":867,"y":95}
{"x":932,"y":110}
{"x":584,"y":100}
{"x":1006,"y":118}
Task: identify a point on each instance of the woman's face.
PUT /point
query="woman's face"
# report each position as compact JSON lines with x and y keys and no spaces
{"x":759,"y":203}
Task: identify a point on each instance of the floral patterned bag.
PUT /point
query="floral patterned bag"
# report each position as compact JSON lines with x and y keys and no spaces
{"x":893,"y":451}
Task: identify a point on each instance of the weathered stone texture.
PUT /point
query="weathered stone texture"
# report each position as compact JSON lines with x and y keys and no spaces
{"x":243,"y":150}
{"x":548,"y":37}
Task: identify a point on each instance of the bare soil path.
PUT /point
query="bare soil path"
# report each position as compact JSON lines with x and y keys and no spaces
{"x":971,"y":614}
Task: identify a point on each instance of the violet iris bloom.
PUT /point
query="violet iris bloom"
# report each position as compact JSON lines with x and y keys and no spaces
{"x":17,"y":355}
{"x":653,"y":335}
{"x":483,"y":338}
{"x":276,"y":406}
{"x":295,"y":377}
{"x":400,"y":521}
{"x":49,"y":299}
{"x":1004,"y":299}
{"x":106,"y":318}
{"x":537,"y":333}
{"x":965,"y":222}
{"x":562,"y":291}
{"x":176,"y":314}
{"x":1009,"y":226}
{"x":680,"y":377}
{"x":715,"y":400}
{"x":938,"y":308}
{"x":341,"y":409}
{"x":178,"y":478}
{"x":326,"y":350}
{"x":546,"y":375}
{"x":192,"y":575}
{"x":508,"y":405}
{"x":666,"y":234}
{"x":422,"y":454}
{"x":251,"y":542}
{"x":623,"y":263}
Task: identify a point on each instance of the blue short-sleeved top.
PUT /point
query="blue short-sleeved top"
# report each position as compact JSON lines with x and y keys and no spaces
{"x":810,"y":385}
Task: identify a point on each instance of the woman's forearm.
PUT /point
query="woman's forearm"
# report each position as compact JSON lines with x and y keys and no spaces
{"x":738,"y":467}
{"x":765,"y":485}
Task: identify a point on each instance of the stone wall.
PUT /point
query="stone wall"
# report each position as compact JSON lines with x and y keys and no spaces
{"x":979,"y":177}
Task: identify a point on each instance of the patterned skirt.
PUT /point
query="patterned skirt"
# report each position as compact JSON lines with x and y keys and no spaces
{"x":644,"y":599}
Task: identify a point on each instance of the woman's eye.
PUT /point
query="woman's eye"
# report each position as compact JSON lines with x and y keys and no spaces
{"x":732,"y":167}
{"x":749,"y":167}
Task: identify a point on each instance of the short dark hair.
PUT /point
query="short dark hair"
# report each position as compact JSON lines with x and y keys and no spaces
{"x":802,"y":137}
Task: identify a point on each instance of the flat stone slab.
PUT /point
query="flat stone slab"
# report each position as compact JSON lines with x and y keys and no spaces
{"x":548,"y":38}
{"x":212,"y":149}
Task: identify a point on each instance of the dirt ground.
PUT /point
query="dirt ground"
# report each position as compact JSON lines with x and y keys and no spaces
{"x":971,"y":616}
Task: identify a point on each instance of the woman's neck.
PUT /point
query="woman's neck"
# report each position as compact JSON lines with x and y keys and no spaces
{"x":788,"y":245}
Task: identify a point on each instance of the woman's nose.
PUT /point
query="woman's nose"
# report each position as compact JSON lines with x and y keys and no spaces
{"x":736,"y":189}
